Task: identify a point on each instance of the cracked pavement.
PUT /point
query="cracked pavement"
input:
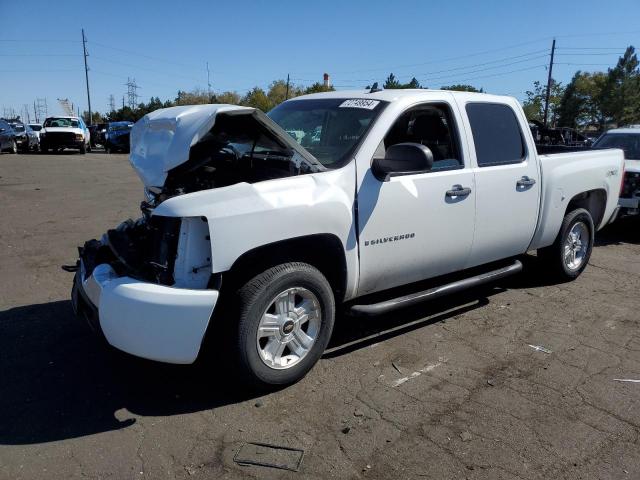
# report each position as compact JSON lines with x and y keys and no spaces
{"x":451,"y":389}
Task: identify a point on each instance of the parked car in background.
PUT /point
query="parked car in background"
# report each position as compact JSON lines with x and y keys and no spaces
{"x":7,"y":138}
{"x":22,"y":139}
{"x":117,"y":136}
{"x":254,"y":238}
{"x":59,"y":133}
{"x":26,"y":139}
{"x":36,"y":128}
{"x":97,"y":134}
{"x":628,"y":139}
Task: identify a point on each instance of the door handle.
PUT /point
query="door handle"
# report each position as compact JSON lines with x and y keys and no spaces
{"x":525,"y":182}
{"x":458,"y":191}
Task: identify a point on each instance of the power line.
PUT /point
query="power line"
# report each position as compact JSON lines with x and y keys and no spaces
{"x":138,"y":54}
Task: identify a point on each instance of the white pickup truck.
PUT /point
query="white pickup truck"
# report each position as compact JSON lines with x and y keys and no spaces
{"x":255,"y":228}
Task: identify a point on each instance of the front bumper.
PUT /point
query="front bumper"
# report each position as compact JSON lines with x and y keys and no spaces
{"x":144,"y":319}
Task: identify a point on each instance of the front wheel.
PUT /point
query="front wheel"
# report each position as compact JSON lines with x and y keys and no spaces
{"x":14,"y":147}
{"x":570,"y":253}
{"x":286,"y":317}
{"x":83,"y":148}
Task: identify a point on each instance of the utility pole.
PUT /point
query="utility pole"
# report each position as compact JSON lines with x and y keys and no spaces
{"x":86,"y":72}
{"x":208,"y":82}
{"x":112,"y":103}
{"x":286,"y":97}
{"x":35,"y":112}
{"x":549,"y":82}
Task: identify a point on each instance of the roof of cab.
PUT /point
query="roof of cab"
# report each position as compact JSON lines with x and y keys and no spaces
{"x":392,"y":95}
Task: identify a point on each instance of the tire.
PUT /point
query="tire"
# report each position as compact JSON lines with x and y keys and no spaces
{"x":569,"y":255}
{"x":83,"y":148}
{"x":14,"y":147}
{"x":297,"y":284}
{"x":89,"y":148}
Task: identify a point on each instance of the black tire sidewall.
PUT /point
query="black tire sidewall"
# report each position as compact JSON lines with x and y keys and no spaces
{"x":573,"y":217}
{"x":254,"y":302}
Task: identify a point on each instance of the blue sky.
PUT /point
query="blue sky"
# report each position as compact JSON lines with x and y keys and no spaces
{"x":501,"y":46}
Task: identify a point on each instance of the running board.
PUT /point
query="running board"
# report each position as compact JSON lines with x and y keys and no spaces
{"x":436,"y":292}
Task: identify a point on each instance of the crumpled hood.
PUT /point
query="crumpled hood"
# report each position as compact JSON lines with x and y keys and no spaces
{"x":161,"y":140}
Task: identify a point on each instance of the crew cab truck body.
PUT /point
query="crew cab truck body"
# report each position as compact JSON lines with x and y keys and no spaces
{"x":255,"y":228}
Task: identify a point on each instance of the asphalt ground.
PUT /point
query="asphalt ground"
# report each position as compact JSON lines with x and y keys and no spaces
{"x":448,"y":390}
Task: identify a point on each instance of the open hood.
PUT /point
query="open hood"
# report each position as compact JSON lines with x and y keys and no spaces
{"x":162,"y":140}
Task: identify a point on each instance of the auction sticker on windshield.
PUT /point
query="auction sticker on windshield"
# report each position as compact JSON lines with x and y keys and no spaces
{"x":360,"y":103}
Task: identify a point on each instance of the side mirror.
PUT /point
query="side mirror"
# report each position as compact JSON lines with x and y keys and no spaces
{"x":402,"y":159}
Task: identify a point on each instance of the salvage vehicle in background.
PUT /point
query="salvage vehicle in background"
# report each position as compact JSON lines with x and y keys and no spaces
{"x":97,"y":132}
{"x":7,"y":138}
{"x":251,"y":237}
{"x":59,"y":133}
{"x":627,"y":139}
{"x":26,"y":139}
{"x":116,"y":138}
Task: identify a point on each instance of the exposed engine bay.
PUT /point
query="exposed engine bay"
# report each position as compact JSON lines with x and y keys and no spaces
{"x":239,"y":148}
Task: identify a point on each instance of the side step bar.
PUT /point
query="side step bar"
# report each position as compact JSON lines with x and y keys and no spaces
{"x":436,"y":292}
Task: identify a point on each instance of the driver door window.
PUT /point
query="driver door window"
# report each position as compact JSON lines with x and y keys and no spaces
{"x":432,"y":126}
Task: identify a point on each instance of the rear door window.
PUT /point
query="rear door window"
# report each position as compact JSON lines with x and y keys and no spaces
{"x":496,"y":134}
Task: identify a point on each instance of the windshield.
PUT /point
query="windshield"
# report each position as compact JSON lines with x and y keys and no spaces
{"x":629,"y":142}
{"x":62,"y":122}
{"x":35,"y":128}
{"x":18,"y":127}
{"x":329,"y":129}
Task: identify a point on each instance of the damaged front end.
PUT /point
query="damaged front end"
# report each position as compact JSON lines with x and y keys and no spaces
{"x":148,"y":284}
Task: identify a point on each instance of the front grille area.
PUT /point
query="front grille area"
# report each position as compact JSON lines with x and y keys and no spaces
{"x":60,"y":138}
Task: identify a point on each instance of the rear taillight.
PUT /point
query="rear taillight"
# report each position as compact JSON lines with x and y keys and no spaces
{"x":622,"y":181}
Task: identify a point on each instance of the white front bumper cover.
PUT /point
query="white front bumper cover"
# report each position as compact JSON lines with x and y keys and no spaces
{"x":149,"y":320}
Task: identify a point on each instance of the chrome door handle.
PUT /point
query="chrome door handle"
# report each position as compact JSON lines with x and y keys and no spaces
{"x":525,"y":182}
{"x":458,"y":191}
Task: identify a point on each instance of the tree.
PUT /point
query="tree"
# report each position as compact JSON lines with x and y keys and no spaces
{"x":621,"y":92}
{"x":392,"y":83}
{"x":459,"y":87}
{"x":534,"y":104}
{"x":256,"y":98}
{"x":318,"y":88}
{"x":277,"y":92}
{"x":581,"y":103}
{"x":232,"y":98}
{"x":195,"y":97}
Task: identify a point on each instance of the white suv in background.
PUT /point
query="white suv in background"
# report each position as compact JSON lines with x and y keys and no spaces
{"x":63,"y":132}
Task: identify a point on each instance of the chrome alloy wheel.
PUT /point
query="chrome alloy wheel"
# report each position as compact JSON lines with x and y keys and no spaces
{"x":576,"y":246}
{"x":288,"y":328}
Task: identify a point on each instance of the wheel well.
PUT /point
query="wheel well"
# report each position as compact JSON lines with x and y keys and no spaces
{"x":595,"y":201}
{"x":323,"y":251}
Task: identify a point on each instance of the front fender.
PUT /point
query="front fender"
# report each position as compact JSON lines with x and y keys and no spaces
{"x":245,"y":216}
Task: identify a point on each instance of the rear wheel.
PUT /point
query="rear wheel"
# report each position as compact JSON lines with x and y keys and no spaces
{"x":286,"y":317}
{"x":570,"y":253}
